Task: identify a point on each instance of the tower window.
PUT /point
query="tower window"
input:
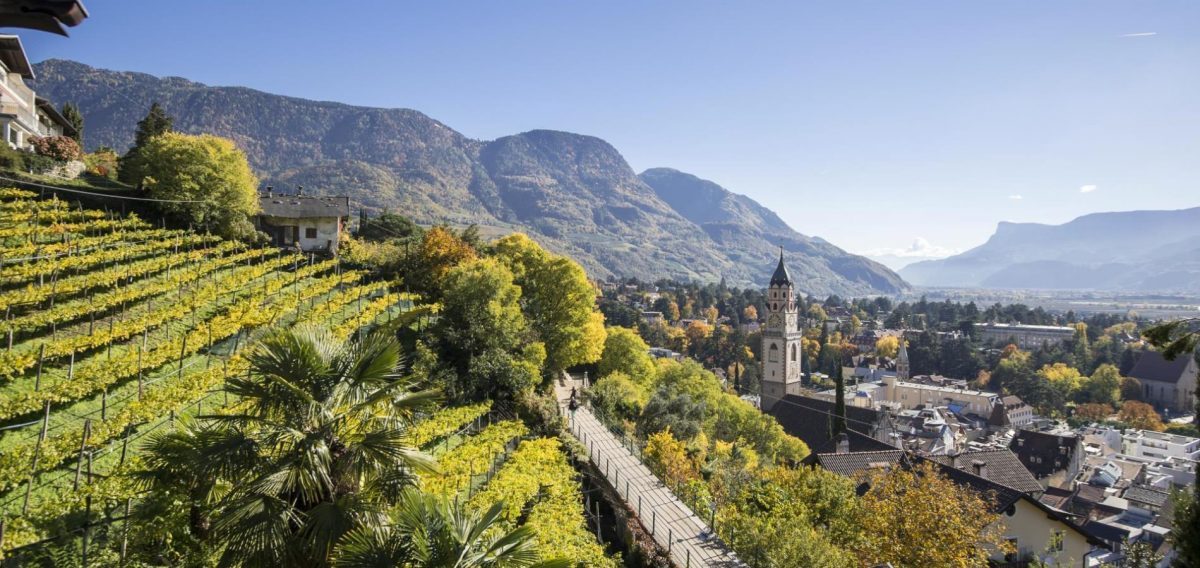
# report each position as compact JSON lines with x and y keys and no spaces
{"x":773,"y":354}
{"x":793,"y":356}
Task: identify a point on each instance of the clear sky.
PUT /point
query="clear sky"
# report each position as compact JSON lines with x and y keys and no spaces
{"x":870,"y":124}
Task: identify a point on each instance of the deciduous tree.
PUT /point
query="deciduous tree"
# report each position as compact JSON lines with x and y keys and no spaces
{"x":625,"y":352}
{"x":1140,"y":415}
{"x":887,"y":346}
{"x":558,"y":300}
{"x":208,"y":174}
{"x":1104,"y":386}
{"x":920,"y":518}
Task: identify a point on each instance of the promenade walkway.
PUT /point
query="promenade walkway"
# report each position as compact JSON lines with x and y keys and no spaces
{"x":674,"y":527}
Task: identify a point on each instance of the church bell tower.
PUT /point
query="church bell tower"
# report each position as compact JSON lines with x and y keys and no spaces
{"x":781,"y":339}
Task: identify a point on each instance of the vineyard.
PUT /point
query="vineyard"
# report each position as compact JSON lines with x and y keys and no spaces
{"x":114,"y":328}
{"x":499,"y":463}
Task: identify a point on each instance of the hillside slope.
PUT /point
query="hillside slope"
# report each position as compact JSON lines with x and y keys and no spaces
{"x":1139,"y":251}
{"x":576,"y":194}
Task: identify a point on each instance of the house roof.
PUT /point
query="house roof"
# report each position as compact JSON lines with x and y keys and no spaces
{"x":1152,"y":366}
{"x":12,"y":54}
{"x":1003,"y":467}
{"x":1043,"y":453}
{"x":47,"y":108}
{"x":854,"y":464}
{"x":811,"y":420}
{"x":1146,"y":495}
{"x":304,"y":206}
{"x":781,"y":276}
{"x":1106,"y":531}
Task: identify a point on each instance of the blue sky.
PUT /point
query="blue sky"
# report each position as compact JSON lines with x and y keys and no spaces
{"x":871,"y":124}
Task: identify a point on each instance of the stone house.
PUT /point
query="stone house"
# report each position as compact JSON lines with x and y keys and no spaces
{"x":309,"y":223}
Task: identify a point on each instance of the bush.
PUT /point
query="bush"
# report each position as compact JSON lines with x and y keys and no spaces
{"x":11,"y":159}
{"x":102,"y":163}
{"x":61,"y":148}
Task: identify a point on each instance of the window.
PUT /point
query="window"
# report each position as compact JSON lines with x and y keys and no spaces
{"x":310,"y":233}
{"x":773,"y":354}
{"x":1056,"y":541}
{"x":793,"y":352}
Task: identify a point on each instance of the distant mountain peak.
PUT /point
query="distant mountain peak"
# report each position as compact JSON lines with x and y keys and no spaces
{"x":575,"y":193}
{"x":1138,"y":251}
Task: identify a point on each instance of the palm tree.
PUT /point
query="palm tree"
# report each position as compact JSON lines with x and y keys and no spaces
{"x":317,"y":450}
{"x":426,"y":531}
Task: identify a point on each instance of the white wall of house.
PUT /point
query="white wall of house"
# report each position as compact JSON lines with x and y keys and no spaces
{"x":1159,"y":445}
{"x":315,"y":234}
{"x":1033,"y":531}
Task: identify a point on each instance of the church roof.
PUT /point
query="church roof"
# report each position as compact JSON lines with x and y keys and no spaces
{"x":781,"y":276}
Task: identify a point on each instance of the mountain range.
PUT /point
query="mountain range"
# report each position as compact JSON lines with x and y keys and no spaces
{"x":575,"y":194}
{"x":1135,"y":251}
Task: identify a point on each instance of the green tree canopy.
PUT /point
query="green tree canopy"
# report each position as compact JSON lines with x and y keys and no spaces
{"x":625,"y":352}
{"x":558,"y":300}
{"x":210,"y":174}
{"x":482,"y":336}
{"x":1104,"y":386}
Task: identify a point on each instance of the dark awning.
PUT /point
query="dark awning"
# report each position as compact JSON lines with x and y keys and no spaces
{"x":42,"y":15}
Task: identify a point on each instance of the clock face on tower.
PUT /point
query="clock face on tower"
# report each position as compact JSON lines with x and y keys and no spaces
{"x":773,"y":321}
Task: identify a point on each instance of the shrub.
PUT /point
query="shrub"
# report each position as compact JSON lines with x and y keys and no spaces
{"x":102,"y":163}
{"x":61,"y":148}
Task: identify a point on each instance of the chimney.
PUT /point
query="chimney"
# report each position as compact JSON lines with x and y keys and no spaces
{"x":299,"y":190}
{"x":980,"y":468}
{"x":270,"y":191}
{"x":843,"y":443}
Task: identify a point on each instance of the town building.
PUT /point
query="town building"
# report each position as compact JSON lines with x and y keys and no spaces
{"x":1054,"y":458}
{"x":1159,"y":445}
{"x":1169,"y":385}
{"x":781,"y":338}
{"x":309,"y":223}
{"x":1024,"y":336}
{"x":1011,"y":412}
{"x":910,"y":394}
{"x":24,"y":115}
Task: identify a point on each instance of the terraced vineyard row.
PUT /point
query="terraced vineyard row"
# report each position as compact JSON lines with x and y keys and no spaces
{"x":113,"y":328}
{"x":531,"y":477}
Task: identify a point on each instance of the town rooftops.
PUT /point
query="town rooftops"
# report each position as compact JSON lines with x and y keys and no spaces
{"x":1147,"y":496}
{"x":811,"y":420}
{"x":999,"y":465}
{"x":304,"y":206}
{"x":12,"y":54}
{"x":856,"y":464}
{"x":1152,"y":366}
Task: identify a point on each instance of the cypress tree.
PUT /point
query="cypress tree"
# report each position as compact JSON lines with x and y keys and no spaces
{"x":839,"y":401}
{"x":75,"y":118}
{"x":157,"y":122}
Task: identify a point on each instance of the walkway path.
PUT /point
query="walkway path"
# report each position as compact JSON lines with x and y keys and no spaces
{"x":673,"y":525}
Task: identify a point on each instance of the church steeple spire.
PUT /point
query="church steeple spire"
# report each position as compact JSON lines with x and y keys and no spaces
{"x":781,"y":276}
